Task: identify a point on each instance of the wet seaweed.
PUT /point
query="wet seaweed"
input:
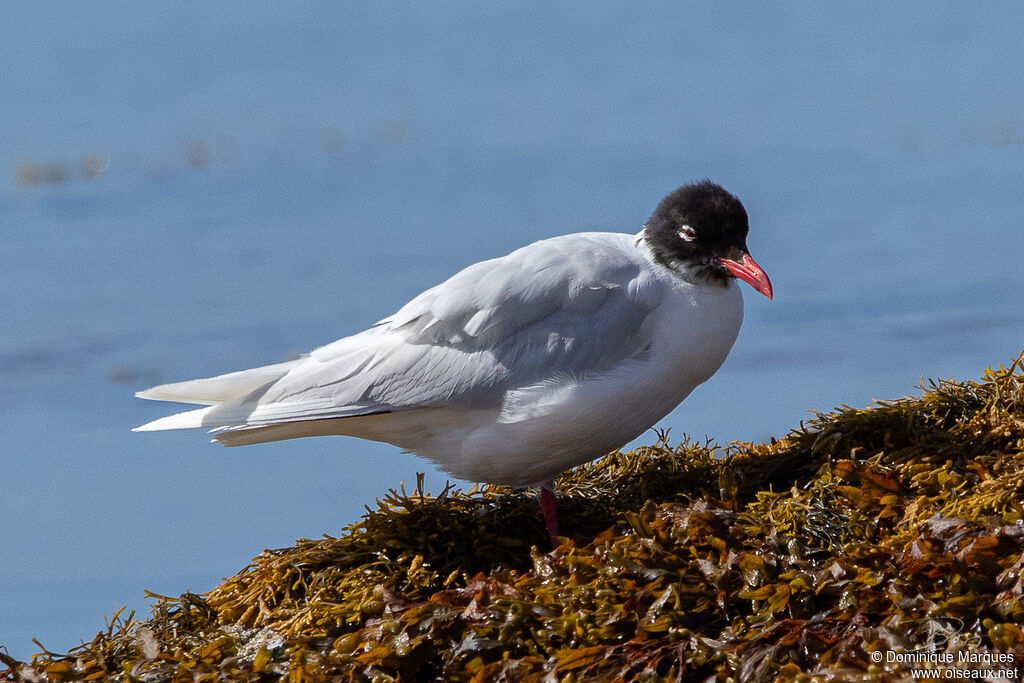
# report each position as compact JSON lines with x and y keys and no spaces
{"x":894,"y":528}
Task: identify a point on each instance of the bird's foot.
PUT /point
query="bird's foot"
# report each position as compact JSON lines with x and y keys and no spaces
{"x":549,"y":508}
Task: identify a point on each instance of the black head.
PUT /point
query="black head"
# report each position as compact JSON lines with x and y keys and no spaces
{"x":701,"y":229}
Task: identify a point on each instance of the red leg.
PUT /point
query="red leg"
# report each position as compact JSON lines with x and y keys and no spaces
{"x":549,"y":508}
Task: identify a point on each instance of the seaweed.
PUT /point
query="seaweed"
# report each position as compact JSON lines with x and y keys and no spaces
{"x":897,"y":528}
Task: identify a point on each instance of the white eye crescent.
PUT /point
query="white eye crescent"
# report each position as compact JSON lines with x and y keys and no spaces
{"x":687,"y":234}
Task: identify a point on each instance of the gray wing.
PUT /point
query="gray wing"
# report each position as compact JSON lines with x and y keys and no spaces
{"x":568,"y":306}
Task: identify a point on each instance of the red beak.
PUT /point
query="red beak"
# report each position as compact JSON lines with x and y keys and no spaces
{"x":751,"y":273}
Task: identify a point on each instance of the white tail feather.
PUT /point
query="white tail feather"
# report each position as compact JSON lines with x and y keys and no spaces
{"x":214,"y":390}
{"x":188,"y":420}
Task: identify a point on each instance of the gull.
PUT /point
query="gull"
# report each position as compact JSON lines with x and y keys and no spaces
{"x":520,"y":367}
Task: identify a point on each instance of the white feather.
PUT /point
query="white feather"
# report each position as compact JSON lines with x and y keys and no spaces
{"x":191,"y":419}
{"x":218,"y":389}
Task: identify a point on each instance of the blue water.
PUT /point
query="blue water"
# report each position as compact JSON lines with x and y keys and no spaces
{"x":198,"y":188}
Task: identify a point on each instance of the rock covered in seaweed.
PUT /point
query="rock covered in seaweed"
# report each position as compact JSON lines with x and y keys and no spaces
{"x":896,"y":528}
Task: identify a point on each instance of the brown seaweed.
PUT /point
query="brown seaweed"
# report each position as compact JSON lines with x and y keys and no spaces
{"x":897,"y":528}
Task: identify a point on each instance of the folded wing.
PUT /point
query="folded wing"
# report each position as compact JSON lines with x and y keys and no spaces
{"x":574,"y":305}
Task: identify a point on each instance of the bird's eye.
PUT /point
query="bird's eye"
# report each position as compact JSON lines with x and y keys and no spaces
{"x":687,"y":234}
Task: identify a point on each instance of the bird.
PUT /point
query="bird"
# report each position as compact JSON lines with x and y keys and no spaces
{"x":520,"y":367}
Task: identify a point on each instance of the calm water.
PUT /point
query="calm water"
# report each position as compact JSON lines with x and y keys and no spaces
{"x":192,"y":190}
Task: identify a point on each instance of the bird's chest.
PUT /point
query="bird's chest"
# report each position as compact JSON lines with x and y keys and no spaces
{"x":691,"y":334}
